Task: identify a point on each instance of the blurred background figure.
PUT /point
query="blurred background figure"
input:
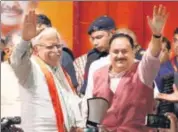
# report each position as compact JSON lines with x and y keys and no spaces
{"x":2,"y":45}
{"x":11,"y":39}
{"x":100,"y":32}
{"x":10,"y":101}
{"x":168,"y":67}
{"x":165,"y":51}
{"x":12,"y":14}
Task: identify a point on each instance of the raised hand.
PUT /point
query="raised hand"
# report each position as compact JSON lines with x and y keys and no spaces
{"x":29,"y":26}
{"x":159,"y":19}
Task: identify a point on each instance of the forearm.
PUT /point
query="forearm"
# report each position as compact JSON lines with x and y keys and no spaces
{"x":21,"y":54}
{"x":20,"y":61}
{"x":155,"y":46}
{"x":148,"y":68}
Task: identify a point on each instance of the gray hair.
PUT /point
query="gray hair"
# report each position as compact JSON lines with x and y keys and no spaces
{"x":46,"y":32}
{"x":128,"y":32}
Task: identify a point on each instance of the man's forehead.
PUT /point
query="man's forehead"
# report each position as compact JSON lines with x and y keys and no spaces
{"x":121,"y":42}
{"x":48,"y":34}
{"x":131,"y":34}
{"x":97,"y":33}
{"x":50,"y":38}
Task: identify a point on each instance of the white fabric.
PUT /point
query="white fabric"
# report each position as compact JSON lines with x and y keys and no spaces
{"x":36,"y":107}
{"x":114,"y":83}
{"x":103,"y":61}
{"x":156,"y":91}
{"x":97,"y":109}
{"x":68,"y":99}
{"x":10,"y":98}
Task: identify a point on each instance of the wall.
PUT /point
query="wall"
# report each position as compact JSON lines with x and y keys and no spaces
{"x":61,"y":15}
{"x":126,"y":14}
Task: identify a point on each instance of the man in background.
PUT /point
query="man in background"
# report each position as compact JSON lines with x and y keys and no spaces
{"x":100,"y":31}
{"x":11,"y":39}
{"x":165,"y":51}
{"x":10,"y":101}
{"x":169,"y":67}
{"x":2,"y":45}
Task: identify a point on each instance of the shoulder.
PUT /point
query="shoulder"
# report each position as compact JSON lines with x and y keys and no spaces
{"x":103,"y":61}
{"x":102,"y":70}
{"x":81,"y":58}
{"x":92,"y":52}
{"x":67,"y":53}
{"x":165,"y":68}
{"x":167,"y":65}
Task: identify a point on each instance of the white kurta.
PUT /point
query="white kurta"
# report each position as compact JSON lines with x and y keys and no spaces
{"x":36,"y":107}
{"x":10,"y":97}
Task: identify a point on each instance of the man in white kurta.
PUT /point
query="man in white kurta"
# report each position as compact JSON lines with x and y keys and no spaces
{"x":36,"y":106}
{"x":10,"y":89}
{"x":10,"y":99}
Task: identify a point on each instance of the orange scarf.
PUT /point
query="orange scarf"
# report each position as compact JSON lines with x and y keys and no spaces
{"x":54,"y":95}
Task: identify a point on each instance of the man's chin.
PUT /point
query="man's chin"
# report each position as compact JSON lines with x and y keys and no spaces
{"x":122,"y":65}
{"x":100,"y":49}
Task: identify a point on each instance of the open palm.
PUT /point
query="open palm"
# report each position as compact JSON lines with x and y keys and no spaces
{"x":158,"y":21}
{"x":29,"y":26}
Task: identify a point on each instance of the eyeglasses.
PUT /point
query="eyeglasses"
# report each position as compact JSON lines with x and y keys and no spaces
{"x":58,"y":46}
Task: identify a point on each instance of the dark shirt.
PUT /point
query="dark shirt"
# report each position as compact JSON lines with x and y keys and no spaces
{"x":91,"y":57}
{"x":2,"y":54}
{"x":165,"y":69}
{"x":67,"y":64}
{"x":139,"y":54}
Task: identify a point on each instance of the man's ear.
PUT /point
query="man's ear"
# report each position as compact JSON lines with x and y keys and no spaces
{"x":35,"y":50}
{"x":113,"y":31}
{"x":6,"y":50}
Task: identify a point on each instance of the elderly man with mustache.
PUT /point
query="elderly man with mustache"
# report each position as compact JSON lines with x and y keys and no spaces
{"x":48,"y":100}
{"x":126,"y":84}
